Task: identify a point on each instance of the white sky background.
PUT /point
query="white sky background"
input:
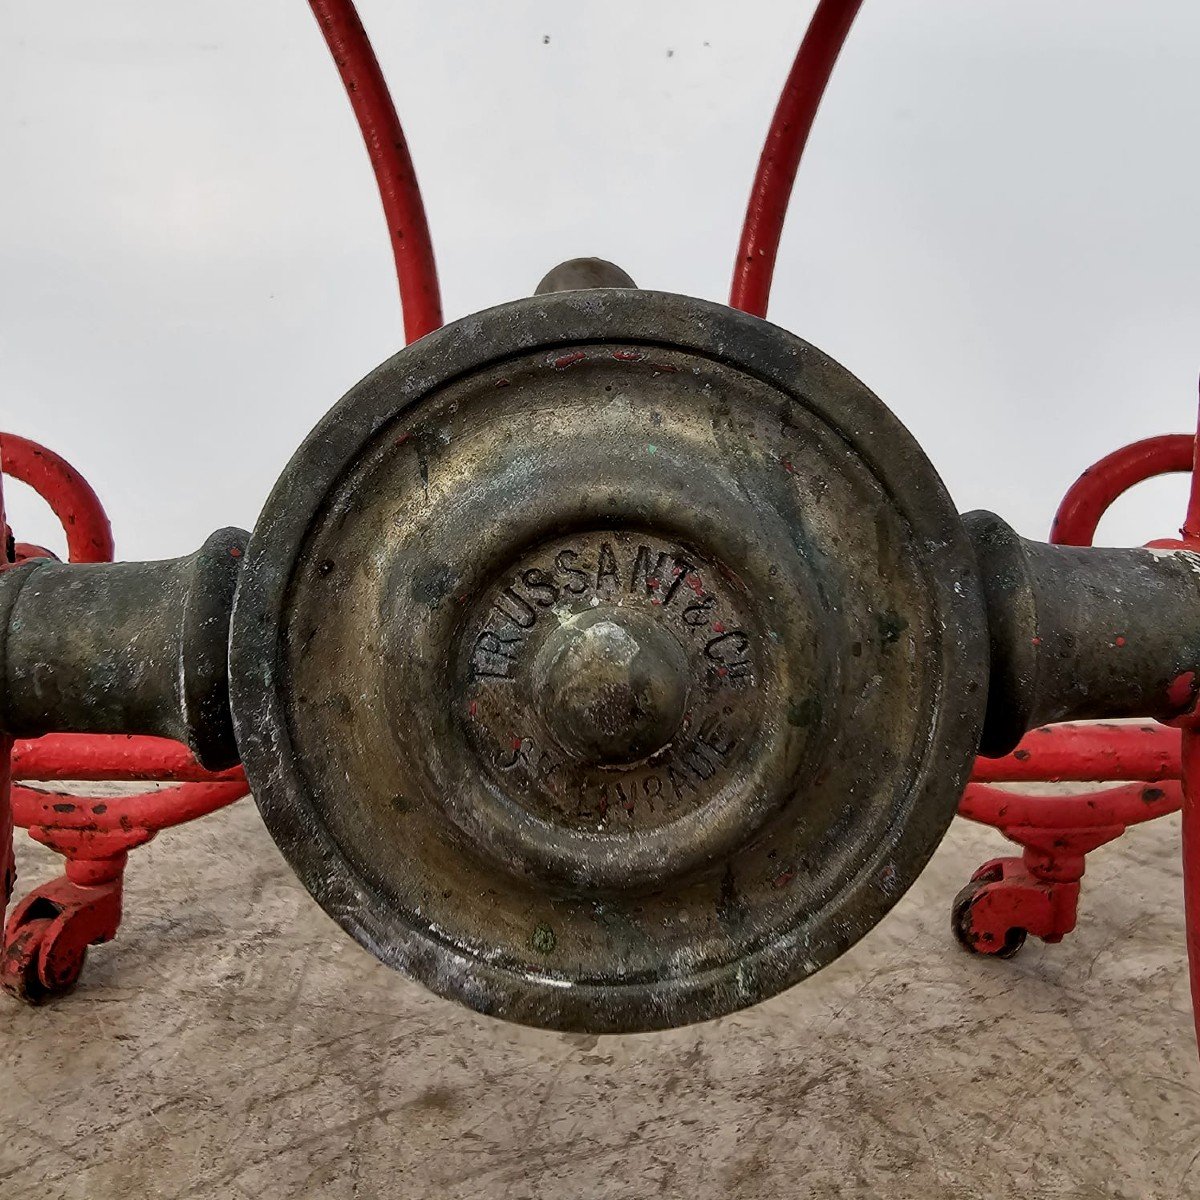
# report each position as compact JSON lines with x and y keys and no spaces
{"x":995,"y":225}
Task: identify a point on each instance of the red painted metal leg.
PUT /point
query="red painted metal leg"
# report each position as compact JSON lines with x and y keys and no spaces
{"x":1191,"y":863}
{"x":1005,"y":901}
{"x":47,"y":936}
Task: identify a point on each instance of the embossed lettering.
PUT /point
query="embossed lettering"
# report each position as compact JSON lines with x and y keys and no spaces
{"x":518,"y":610}
{"x":681,"y":570}
{"x":563,"y":560}
{"x":515,"y":755}
{"x":698,"y":763}
{"x":524,"y":752}
{"x":714,"y":736}
{"x":697,"y":612}
{"x":678,"y":781}
{"x":607,"y":568}
{"x":650,"y":575}
{"x":729,"y":650}
{"x":544,"y":588}
{"x":494,"y":655}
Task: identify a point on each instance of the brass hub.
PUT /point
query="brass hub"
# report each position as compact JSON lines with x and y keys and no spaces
{"x":612,"y":686}
{"x":607,"y":660}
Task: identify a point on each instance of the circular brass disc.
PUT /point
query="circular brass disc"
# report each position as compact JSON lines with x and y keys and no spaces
{"x":608,"y":660}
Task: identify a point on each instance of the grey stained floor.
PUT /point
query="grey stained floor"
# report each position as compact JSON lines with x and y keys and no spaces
{"x":233,"y":1043}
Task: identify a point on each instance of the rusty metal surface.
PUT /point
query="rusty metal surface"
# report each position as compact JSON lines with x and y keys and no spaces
{"x":675,"y":467}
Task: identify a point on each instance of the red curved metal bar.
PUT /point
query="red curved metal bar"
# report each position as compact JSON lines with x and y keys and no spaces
{"x":23,"y":551}
{"x":416,"y":271}
{"x":47,"y":811}
{"x":83,"y":757}
{"x":1090,"y":496}
{"x":1191,"y":520}
{"x":69,"y":495}
{"x":780,"y":159}
{"x":1094,"y":753}
{"x":1129,"y":804}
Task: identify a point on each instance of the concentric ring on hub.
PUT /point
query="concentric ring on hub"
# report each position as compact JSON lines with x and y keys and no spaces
{"x":701,"y":487}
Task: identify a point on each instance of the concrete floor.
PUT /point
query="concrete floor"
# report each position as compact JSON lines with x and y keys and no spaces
{"x":233,"y":1043}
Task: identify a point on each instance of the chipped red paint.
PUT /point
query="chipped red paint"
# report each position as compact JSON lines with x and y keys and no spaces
{"x":70,"y":497}
{"x":569,"y":360}
{"x":1087,"y":753}
{"x":84,"y":757}
{"x":1091,"y":495}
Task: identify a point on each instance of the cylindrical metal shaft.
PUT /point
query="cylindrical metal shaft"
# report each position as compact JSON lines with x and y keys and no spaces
{"x":140,"y":647}
{"x":1083,"y":632}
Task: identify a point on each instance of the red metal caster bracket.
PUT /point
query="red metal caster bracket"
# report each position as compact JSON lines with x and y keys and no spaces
{"x":1003,"y":904}
{"x":1009,"y":898}
{"x":48,"y":935}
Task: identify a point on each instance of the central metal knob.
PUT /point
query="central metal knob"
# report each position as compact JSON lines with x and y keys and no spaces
{"x":612,"y":686}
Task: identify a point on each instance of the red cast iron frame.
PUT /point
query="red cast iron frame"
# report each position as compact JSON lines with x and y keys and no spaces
{"x":1007,"y":898}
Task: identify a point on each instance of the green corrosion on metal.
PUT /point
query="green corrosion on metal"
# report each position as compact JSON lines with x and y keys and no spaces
{"x":543,"y":940}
